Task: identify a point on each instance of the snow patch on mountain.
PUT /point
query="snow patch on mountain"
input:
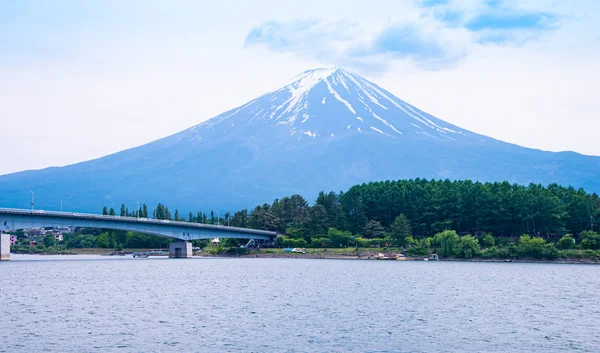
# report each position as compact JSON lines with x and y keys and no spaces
{"x":325,"y":102}
{"x":338,"y":97}
{"x":376,"y":129}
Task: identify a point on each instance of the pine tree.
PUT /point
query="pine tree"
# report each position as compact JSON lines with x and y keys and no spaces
{"x":401,"y":229}
{"x":373,"y":229}
{"x":160,"y":212}
{"x":122,"y":214}
{"x":105,"y":211}
{"x":191,"y":218}
{"x":111,"y":212}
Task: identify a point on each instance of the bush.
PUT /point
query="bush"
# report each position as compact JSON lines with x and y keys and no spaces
{"x":237,"y":251}
{"x":496,"y":252}
{"x":288,"y":242}
{"x":417,"y":251}
{"x":489,"y":253}
{"x":319,"y":242}
{"x":590,"y":240}
{"x":549,"y":252}
{"x":377,"y":242}
{"x":566,"y":242}
{"x":409,"y":241}
{"x":280,"y":239}
{"x":216,"y":250}
{"x":488,"y":240}
{"x":361,"y":242}
{"x":421,"y":248}
{"x":578,"y":254}
{"x":531,"y":247}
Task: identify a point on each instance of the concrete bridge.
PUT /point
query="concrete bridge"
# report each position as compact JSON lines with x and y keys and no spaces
{"x":13,"y":219}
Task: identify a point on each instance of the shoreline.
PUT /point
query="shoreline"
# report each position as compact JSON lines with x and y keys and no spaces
{"x":410,"y":259}
{"x":326,"y":256}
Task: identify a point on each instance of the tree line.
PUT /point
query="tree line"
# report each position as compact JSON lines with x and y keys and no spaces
{"x":424,"y":207}
{"x":479,"y":219}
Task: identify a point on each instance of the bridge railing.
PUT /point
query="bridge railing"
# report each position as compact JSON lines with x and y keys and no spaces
{"x":44,"y":213}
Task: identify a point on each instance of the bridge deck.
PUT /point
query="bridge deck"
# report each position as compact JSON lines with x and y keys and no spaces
{"x":14,"y":218}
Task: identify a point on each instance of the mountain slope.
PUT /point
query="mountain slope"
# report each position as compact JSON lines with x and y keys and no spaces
{"x":327,"y":129}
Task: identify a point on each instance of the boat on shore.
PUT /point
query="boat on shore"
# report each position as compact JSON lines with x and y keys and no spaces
{"x":146,"y":254}
{"x":432,"y":257}
{"x":141,"y":255}
{"x":397,"y":257}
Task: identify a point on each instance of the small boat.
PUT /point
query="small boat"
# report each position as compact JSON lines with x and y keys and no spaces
{"x":141,"y":255}
{"x":381,"y":256}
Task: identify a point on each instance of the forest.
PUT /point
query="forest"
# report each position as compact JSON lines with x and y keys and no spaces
{"x":416,"y":214}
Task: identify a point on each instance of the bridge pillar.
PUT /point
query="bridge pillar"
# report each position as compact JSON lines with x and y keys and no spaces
{"x":4,"y":246}
{"x":180,"y":250}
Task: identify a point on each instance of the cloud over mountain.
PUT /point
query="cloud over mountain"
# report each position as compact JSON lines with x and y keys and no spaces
{"x":437,"y":34}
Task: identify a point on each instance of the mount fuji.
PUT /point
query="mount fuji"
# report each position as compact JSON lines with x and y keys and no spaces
{"x":327,"y":129}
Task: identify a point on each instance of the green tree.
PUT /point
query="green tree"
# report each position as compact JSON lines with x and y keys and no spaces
{"x":105,"y":211}
{"x":160,"y":212}
{"x":448,"y":242}
{"x":122,"y":213}
{"x":176,"y":214}
{"x":468,"y":247}
{"x":191,"y":217}
{"x":87,"y":241}
{"x":103,"y":240}
{"x":111,"y":212}
{"x":313,"y":224}
{"x":421,"y":248}
{"x":263,"y":218}
{"x":240,"y":219}
{"x":401,"y":230}
{"x":373,"y":229}
{"x":50,"y":240}
{"x":339,"y":238}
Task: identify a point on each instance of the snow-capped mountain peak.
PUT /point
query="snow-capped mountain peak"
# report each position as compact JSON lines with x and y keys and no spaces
{"x":325,"y":103}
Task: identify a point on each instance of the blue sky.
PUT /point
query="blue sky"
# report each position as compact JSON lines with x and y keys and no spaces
{"x":82,"y":79}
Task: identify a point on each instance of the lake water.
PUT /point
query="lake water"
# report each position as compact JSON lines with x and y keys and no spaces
{"x":106,"y":304}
